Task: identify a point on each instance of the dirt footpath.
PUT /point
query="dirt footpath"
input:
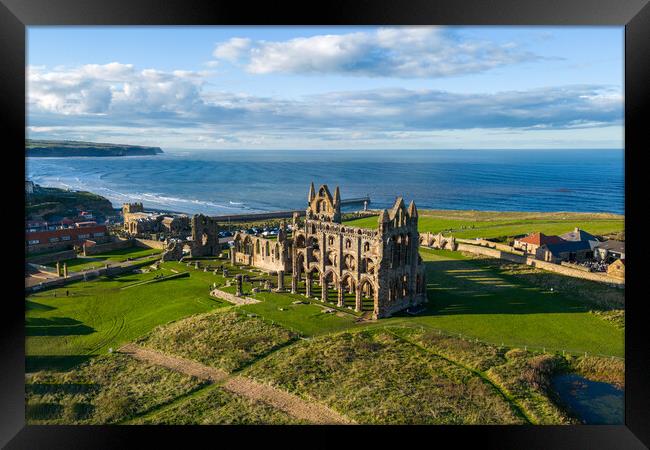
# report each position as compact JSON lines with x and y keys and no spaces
{"x":182,"y":365}
{"x":291,"y":404}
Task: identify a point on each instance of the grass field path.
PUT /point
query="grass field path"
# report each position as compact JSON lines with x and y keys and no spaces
{"x":291,"y":404}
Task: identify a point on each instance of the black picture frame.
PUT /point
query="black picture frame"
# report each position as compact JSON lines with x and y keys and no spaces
{"x":16,"y":15}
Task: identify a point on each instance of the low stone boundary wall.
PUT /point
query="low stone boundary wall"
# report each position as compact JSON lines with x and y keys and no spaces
{"x":149,"y":243}
{"x":490,"y":244}
{"x":52,"y":257}
{"x":42,"y":268}
{"x":107,"y":247}
{"x":551,"y":267}
{"x":575,"y":266}
{"x":232,"y":298}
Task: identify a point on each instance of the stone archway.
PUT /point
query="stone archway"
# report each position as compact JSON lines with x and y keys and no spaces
{"x":366,"y":295}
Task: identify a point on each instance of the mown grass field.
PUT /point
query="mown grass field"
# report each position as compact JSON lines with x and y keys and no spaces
{"x":99,"y":314}
{"x":96,"y":261}
{"x":503,"y":225}
{"x":479,"y":300}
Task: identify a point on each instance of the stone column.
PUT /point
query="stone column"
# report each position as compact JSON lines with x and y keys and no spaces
{"x":232,"y":256}
{"x":308,"y":284}
{"x":294,"y":283}
{"x":238,"y":278}
{"x":196,"y":265}
{"x":357,"y":303}
{"x":58,"y":269}
{"x":65,"y":270}
{"x":280,"y":280}
{"x":323,"y":286}
{"x":340,"y":293}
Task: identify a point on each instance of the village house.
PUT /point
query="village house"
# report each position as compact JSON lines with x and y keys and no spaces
{"x":609,"y":250}
{"x":577,"y":245}
{"x":532,"y":242}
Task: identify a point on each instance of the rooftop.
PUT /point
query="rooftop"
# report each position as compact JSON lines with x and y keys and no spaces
{"x":541,"y":239}
{"x":612,"y":245}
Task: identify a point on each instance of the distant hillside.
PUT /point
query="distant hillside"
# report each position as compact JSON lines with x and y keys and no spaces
{"x":42,"y":148}
{"x":49,"y":203}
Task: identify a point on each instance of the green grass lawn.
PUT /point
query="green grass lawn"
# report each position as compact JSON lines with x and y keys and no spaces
{"x":473,"y":298}
{"x":96,"y":261}
{"x":491,"y":225}
{"x":61,"y":330}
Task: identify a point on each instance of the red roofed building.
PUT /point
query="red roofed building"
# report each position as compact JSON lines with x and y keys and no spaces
{"x":62,"y":238}
{"x":534,"y":241}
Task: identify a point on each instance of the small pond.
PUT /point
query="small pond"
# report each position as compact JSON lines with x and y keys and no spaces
{"x":593,"y":402}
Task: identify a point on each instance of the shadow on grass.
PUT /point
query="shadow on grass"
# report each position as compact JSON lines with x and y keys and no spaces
{"x":469,"y":287}
{"x":31,"y":305}
{"x":55,"y":363}
{"x":56,"y":326}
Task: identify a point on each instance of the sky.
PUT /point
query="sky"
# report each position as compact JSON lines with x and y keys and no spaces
{"x":323,"y":87}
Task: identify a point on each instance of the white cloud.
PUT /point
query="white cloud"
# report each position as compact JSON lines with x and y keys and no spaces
{"x":407,"y":52}
{"x":102,"y":89}
{"x":178,"y":106}
{"x":232,"y":49}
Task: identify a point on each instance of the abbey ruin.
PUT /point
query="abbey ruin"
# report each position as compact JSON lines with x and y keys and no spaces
{"x":381,"y":266}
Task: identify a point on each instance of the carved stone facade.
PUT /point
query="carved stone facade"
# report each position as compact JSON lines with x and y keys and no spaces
{"x":268,"y":254}
{"x":374,"y":270}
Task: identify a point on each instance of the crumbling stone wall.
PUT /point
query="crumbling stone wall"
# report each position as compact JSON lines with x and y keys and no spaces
{"x":268,"y":254}
{"x":438,"y":241}
{"x":204,"y":242}
{"x":381,"y":266}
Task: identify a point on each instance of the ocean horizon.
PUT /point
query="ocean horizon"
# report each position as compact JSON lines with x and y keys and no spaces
{"x":244,"y":181}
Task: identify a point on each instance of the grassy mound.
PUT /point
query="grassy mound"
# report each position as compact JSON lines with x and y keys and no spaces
{"x":215,"y":406}
{"x":374,"y":377}
{"x":227,"y":340}
{"x":107,"y":389}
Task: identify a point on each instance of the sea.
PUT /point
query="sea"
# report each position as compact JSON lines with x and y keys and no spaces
{"x":235,"y":182}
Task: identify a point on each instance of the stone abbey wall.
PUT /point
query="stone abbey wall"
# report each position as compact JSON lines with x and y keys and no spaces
{"x":380,"y":268}
{"x":267,"y":254}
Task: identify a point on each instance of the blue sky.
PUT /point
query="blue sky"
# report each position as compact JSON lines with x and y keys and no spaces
{"x":328,"y":87}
